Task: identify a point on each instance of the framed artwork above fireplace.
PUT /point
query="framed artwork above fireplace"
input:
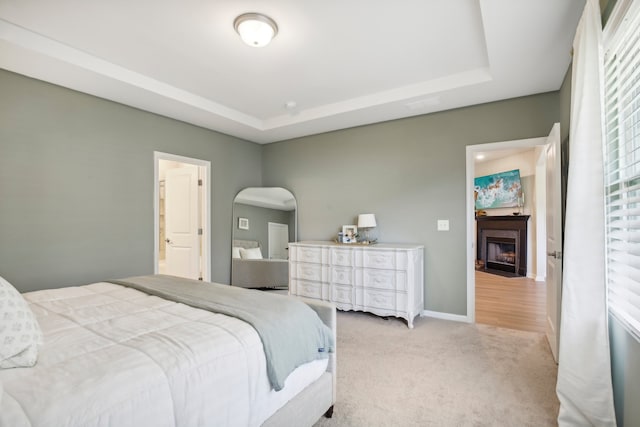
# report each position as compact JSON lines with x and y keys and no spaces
{"x":499,"y":190}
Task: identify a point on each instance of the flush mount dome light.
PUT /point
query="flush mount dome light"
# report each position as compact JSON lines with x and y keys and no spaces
{"x":255,"y":29}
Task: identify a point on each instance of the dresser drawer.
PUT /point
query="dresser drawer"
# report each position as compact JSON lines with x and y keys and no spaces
{"x":342,"y":275}
{"x":307,"y":254}
{"x":308,"y":289}
{"x":384,"y":279}
{"x":385,"y":300}
{"x":342,"y":294}
{"x":305,"y":271}
{"x":342,"y":257}
{"x":384,"y":259}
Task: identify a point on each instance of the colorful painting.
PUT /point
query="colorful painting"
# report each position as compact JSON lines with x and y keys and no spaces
{"x":500,"y":190}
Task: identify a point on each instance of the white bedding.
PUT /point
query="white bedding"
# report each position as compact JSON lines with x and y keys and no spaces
{"x":114,"y":356}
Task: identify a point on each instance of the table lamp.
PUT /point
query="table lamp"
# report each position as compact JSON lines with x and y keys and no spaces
{"x":366,"y":221}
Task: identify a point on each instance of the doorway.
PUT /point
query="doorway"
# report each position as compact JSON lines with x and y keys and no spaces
{"x":278,"y":237}
{"x":182,"y":220}
{"x":538,"y":264}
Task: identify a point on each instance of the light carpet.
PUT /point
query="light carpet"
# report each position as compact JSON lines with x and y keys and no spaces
{"x":441,"y":373}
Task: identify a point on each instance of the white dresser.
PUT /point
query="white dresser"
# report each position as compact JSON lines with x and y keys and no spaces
{"x":383,"y":279}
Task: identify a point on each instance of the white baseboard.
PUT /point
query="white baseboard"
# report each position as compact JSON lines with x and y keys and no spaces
{"x":540,"y":278}
{"x":445,"y":316}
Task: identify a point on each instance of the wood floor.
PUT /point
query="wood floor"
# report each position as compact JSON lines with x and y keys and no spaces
{"x":514,"y":303}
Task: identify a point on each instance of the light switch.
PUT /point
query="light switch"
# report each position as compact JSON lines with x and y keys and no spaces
{"x":443,"y":225}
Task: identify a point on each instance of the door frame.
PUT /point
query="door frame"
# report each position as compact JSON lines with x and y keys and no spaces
{"x":471,"y":151}
{"x":205,"y":166}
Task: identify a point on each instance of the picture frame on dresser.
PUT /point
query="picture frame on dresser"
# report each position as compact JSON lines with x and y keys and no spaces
{"x":349,"y":234}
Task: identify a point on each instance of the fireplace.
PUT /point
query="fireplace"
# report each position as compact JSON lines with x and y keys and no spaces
{"x":501,"y":254}
{"x":502,"y":244}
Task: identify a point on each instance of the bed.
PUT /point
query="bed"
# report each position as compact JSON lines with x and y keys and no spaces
{"x":249,"y":269}
{"x":126,"y":353}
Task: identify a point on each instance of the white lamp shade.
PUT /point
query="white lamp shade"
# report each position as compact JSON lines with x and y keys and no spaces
{"x":366,"y":220}
{"x":255,"y":29}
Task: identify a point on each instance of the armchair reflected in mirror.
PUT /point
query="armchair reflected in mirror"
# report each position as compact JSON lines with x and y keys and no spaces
{"x":264,"y":222}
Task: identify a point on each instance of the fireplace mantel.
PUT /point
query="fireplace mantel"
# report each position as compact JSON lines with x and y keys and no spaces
{"x":513,"y":223}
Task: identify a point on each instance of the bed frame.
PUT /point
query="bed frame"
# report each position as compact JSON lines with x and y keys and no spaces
{"x":306,"y":408}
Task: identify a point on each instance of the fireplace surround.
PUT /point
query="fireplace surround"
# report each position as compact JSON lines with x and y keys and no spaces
{"x":502,"y":243}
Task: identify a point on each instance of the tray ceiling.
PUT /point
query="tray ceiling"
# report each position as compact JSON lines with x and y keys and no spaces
{"x":342,"y":63}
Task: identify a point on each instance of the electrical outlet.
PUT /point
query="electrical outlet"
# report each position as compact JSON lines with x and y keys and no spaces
{"x":443,"y":225}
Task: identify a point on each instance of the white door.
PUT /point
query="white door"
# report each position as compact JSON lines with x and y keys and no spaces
{"x":554,"y":239}
{"x":181,"y":222}
{"x":278,"y":240}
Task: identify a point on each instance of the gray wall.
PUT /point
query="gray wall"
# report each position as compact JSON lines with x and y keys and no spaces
{"x":258,"y":228}
{"x":76,"y":184}
{"x":410,"y":173}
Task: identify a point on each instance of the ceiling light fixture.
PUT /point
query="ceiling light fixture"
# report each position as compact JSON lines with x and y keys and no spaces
{"x":255,"y":29}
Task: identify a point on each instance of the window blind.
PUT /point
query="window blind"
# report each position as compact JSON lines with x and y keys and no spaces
{"x":622,"y":170}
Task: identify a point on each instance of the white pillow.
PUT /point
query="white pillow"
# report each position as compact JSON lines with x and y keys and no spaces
{"x":251,"y":253}
{"x":20,"y":333}
{"x":235,"y":252}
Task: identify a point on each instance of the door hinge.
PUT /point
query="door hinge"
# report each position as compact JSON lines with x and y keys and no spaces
{"x":199,"y":183}
{"x":199,"y":231}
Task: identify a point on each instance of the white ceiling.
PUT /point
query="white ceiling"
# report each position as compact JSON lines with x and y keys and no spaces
{"x":344,"y":63}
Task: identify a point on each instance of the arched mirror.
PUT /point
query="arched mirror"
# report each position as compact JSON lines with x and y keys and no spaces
{"x":264,"y":222}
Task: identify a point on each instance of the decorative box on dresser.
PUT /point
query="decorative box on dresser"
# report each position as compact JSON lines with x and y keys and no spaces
{"x":383,"y":279}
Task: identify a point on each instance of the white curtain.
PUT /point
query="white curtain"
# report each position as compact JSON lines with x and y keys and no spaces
{"x":584,"y":371}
